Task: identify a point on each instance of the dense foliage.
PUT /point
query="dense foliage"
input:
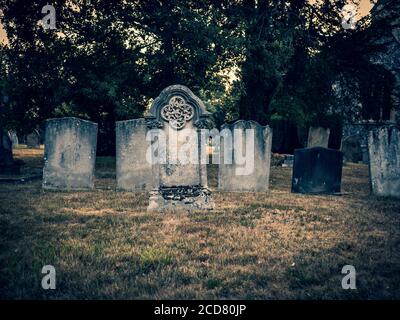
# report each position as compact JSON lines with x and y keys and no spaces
{"x":261,"y":60}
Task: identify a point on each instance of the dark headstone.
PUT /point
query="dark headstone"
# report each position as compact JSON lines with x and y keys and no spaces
{"x":7,"y":163}
{"x":33,"y":139}
{"x":351,"y":148}
{"x":317,"y":171}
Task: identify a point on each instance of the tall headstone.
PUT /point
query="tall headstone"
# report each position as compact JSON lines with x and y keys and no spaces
{"x":318,"y":137}
{"x":245,"y":166}
{"x":384,"y":164}
{"x":70,"y":154}
{"x":317,"y":171}
{"x":179,"y":175}
{"x":33,"y":139}
{"x":134,"y":171}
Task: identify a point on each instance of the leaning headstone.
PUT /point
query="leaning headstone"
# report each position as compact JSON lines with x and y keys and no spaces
{"x":14,"y":138}
{"x":7,"y":163}
{"x":245,"y":166}
{"x":70,"y":154}
{"x":318,"y":137}
{"x":134,"y":172}
{"x":317,"y":171}
{"x":179,"y":175}
{"x":33,"y":139}
{"x":384,"y":164}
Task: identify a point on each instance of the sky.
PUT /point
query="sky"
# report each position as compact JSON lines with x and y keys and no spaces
{"x":365,"y":7}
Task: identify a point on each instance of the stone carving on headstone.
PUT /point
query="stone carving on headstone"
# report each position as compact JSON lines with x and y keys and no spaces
{"x":318,"y":137}
{"x":70,"y":154}
{"x":245,"y":166}
{"x":384,"y":165}
{"x":317,"y":171}
{"x":179,"y":178}
{"x":33,"y":139}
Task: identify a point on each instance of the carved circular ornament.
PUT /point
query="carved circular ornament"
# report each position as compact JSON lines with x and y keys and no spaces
{"x":177,"y":112}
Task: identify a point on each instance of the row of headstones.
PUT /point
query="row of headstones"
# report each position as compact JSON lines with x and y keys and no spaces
{"x":71,"y":149}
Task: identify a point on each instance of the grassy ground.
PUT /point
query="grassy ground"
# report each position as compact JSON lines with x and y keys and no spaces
{"x":104,"y":245}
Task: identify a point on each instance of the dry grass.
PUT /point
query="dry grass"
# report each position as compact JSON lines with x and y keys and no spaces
{"x":104,"y":245}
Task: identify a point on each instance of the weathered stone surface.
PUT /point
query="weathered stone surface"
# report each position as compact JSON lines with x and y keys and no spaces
{"x":191,"y":198}
{"x":384,"y":167}
{"x":33,"y":139}
{"x":134,"y":172}
{"x":70,"y":154}
{"x":235,"y":176}
{"x":177,"y":185}
{"x":317,"y":171}
{"x":355,"y":139}
{"x":351,"y":148}
{"x":318,"y":137}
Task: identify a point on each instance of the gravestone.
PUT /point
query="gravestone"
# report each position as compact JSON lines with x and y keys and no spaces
{"x":384,"y":165}
{"x":288,"y":162}
{"x":7,"y":163}
{"x":70,"y":154}
{"x":318,"y":137}
{"x":33,"y":139}
{"x":176,"y":117}
{"x":317,"y":171}
{"x":245,"y":158}
{"x":365,"y":155}
{"x":351,"y":148}
{"x":134,"y":172}
{"x":14,"y":138}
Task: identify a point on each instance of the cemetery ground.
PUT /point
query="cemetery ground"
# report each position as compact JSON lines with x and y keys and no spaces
{"x":276,"y":245}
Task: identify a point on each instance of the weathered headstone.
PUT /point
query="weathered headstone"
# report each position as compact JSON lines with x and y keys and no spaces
{"x":317,"y":171}
{"x":134,"y":171}
{"x":318,"y":137}
{"x":384,"y":165}
{"x":177,"y":116}
{"x":7,"y":163}
{"x":70,"y":154}
{"x":351,"y":148}
{"x":33,"y":139}
{"x":249,"y":156}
